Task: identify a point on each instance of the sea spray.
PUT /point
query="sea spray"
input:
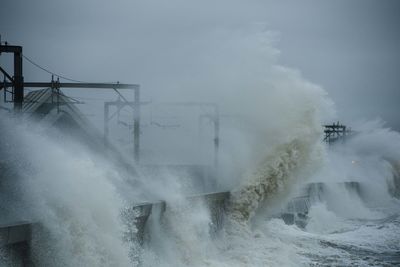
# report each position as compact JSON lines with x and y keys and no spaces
{"x":277,"y":141}
{"x":180,"y":236}
{"x":69,"y":194}
{"x":283,"y":112}
{"x":275,"y":172}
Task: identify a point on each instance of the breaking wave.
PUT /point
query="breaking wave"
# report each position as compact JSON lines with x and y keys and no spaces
{"x":74,"y":194}
{"x":274,"y":173}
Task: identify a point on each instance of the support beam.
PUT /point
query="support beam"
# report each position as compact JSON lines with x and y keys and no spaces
{"x":10,"y":49}
{"x":135,"y":105}
{"x":18,"y":80}
{"x":76,"y":85}
{"x":216,"y":136}
{"x":136,"y":126}
{"x":6,"y":74}
{"x":106,"y":119}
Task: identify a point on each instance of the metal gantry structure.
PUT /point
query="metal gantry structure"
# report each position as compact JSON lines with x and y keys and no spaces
{"x":334,"y":132}
{"x":17,"y":85}
{"x":119,"y":104}
{"x":214,"y":116}
{"x":15,"y":81}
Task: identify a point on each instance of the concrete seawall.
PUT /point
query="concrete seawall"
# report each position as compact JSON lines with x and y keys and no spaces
{"x":216,"y":203}
{"x":15,"y":237}
{"x":294,"y":213}
{"x":298,"y":207}
{"x":15,"y":242}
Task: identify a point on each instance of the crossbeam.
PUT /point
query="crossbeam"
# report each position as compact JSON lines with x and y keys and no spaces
{"x":10,"y":49}
{"x":136,"y":120}
{"x":74,"y":85}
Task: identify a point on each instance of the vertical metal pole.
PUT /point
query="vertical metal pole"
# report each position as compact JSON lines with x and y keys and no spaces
{"x":58,"y":94}
{"x":200,"y":131}
{"x":136,"y":125}
{"x":344,"y":133}
{"x":18,"y":81}
{"x":5,"y":89}
{"x":106,"y":107}
{"x":119,"y":107}
{"x":52,"y":89}
{"x":216,"y":136}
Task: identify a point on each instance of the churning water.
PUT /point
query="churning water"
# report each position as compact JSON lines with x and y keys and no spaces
{"x":76,"y":197}
{"x":359,"y":228}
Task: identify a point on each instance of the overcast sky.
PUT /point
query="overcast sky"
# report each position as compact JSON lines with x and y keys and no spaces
{"x":350,"y":48}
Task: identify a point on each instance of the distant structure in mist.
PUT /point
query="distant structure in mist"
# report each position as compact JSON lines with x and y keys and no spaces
{"x":336,"y":132}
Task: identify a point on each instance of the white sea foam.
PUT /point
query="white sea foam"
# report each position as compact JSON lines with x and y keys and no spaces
{"x":68,"y":192}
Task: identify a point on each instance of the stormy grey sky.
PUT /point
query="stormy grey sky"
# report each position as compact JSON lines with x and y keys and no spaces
{"x":350,"y":48}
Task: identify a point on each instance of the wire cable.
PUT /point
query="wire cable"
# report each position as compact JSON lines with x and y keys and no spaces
{"x":56,"y":74}
{"x":50,"y":72}
{"x":66,"y":78}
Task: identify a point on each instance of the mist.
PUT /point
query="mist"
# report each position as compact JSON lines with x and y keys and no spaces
{"x":274,"y":73}
{"x":351,"y":49}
